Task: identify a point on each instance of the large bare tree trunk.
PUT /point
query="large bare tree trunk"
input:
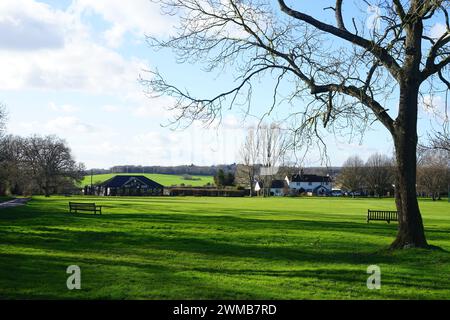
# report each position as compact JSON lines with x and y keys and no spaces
{"x":410,"y":230}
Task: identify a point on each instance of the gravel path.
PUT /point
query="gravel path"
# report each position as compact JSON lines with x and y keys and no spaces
{"x":14,"y":203}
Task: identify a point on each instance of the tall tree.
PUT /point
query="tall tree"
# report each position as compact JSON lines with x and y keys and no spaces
{"x":272,"y":144}
{"x":2,"y":119}
{"x":352,"y":176}
{"x":249,"y":154}
{"x":349,"y":72}
{"x":12,"y":172}
{"x":433,"y":172}
{"x":379,"y":174}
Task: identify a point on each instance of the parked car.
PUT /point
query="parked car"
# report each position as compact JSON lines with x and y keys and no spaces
{"x":336,"y":193}
{"x":355,"y":194}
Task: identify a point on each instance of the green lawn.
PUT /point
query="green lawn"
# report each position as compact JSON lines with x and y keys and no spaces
{"x":166,"y":180}
{"x":218,"y":248}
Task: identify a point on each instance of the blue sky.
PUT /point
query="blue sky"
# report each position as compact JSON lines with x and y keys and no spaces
{"x":71,"y":68}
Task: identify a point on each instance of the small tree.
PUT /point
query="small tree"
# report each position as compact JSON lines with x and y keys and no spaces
{"x":223,"y":179}
{"x":229,"y":179}
{"x":219,"y":178}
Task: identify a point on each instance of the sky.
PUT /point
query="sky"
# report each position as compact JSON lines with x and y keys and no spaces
{"x":71,"y":68}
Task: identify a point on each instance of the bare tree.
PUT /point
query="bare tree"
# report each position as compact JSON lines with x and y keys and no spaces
{"x":50,"y":160}
{"x":2,"y":119}
{"x":11,"y":171}
{"x":351,"y":176}
{"x":433,"y":175}
{"x":350,"y":72}
{"x":379,"y":174}
{"x":440,"y":140}
{"x":272,"y":144}
{"x":249,"y":154}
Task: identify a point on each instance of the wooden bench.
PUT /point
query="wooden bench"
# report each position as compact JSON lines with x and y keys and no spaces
{"x":77,"y":206}
{"x":382,"y":215}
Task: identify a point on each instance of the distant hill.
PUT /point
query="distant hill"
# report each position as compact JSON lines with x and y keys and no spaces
{"x":192,"y":169}
{"x":166,"y":180}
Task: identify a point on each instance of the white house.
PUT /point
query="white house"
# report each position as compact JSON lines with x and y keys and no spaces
{"x":310,"y":184}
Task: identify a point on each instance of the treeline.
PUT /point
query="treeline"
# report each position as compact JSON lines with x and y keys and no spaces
{"x":376,"y":176}
{"x":37,"y":165}
{"x":192,"y":169}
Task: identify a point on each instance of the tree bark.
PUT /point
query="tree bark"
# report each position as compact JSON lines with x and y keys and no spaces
{"x":410,"y":229}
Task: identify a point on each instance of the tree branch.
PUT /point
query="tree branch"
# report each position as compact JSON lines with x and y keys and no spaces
{"x":363,"y":97}
{"x":379,"y":52}
{"x":338,"y":13}
{"x":399,"y":9}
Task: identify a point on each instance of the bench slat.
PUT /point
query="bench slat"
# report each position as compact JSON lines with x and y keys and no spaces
{"x":79,"y":206}
{"x":382,"y":215}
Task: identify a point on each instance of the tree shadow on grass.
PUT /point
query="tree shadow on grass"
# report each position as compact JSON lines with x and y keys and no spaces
{"x":44,"y":213}
{"x":217,"y":246}
{"x":44,"y":277}
{"x":25,"y":276}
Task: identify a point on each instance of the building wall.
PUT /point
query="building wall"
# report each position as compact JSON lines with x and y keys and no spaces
{"x":308,"y":185}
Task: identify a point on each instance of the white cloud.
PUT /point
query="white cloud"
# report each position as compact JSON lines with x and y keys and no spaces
{"x":114,"y":36}
{"x":68,"y":58}
{"x":65,"y":126}
{"x":29,"y":25}
{"x":437,"y":30}
{"x":139,"y":17}
{"x":111,"y":108}
{"x":80,"y":66}
{"x":65,"y":108}
{"x":68,"y":125}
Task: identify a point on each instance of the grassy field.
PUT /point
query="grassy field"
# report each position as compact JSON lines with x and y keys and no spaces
{"x":166,"y":180}
{"x":218,"y":248}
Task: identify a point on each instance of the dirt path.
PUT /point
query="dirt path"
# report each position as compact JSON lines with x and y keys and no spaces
{"x":14,"y":203}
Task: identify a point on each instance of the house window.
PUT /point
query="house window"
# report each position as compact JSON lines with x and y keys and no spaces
{"x":309,"y":183}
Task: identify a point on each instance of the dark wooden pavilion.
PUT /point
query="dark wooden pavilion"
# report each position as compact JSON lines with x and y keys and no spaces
{"x":125,"y":185}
